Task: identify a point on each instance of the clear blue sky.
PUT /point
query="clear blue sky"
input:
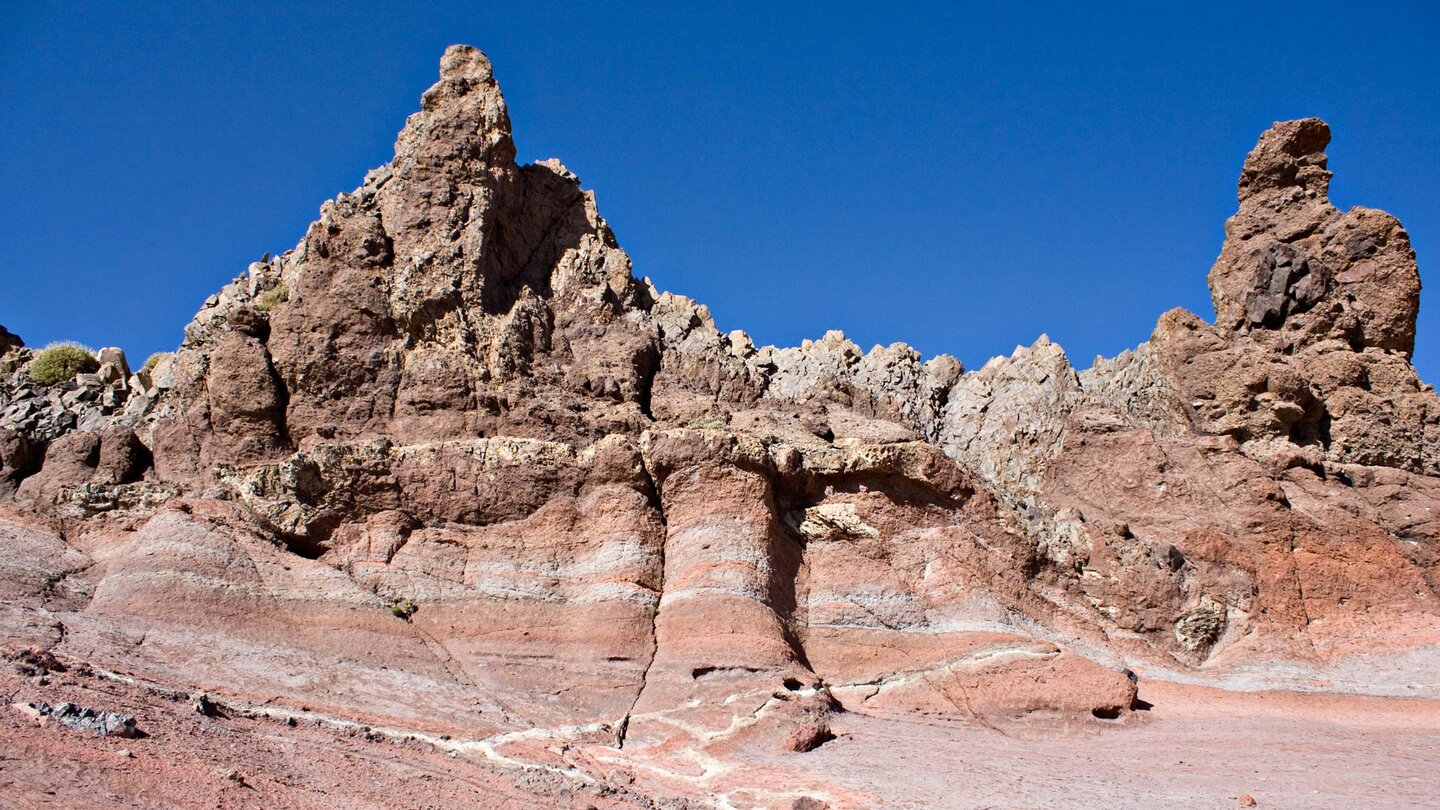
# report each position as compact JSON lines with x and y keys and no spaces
{"x":961,"y":179}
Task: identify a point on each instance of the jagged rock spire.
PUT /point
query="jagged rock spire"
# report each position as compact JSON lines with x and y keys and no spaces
{"x":1290,"y":155}
{"x":1297,"y":271}
{"x":8,"y":341}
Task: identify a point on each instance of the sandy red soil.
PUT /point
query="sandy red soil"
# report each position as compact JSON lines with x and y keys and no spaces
{"x":1196,"y":747}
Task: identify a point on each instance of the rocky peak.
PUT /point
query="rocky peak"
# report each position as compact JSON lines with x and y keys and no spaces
{"x":465,"y":63}
{"x":1315,"y":323}
{"x":1289,"y":156}
{"x":453,"y":295}
{"x":462,"y":118}
{"x":9,"y":341}
{"x":1297,"y":271}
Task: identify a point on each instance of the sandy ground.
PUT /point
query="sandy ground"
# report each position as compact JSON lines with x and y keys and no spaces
{"x":192,"y":761}
{"x":1195,"y":747}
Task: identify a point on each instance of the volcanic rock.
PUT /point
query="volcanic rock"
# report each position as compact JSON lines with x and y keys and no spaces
{"x":638,"y":551}
{"x":9,"y":342}
{"x":103,"y":723}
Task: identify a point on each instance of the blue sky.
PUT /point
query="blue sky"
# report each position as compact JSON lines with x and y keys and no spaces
{"x":962,"y":179}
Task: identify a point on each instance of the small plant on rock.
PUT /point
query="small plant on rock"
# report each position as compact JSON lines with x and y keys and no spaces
{"x":154,"y":360}
{"x":59,"y":362}
{"x":273,"y":297}
{"x":709,"y":421}
{"x":404,"y":609}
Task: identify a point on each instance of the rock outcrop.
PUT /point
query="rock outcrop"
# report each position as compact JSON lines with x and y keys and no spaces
{"x":619,"y":541}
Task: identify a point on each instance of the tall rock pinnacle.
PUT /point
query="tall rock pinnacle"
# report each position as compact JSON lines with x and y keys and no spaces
{"x":1295,"y":270}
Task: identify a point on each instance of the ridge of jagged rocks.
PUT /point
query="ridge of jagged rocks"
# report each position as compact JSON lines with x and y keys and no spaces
{"x":454,"y":392}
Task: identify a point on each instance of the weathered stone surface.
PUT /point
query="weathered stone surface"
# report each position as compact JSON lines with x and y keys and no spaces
{"x":9,"y":342}
{"x":449,"y":470}
{"x":1296,"y":270}
{"x":79,"y":718}
{"x":1317,"y":309}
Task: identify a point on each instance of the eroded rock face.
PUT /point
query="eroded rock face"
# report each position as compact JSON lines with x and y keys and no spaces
{"x":449,"y":467}
{"x":1315,"y":316}
{"x":9,"y":342}
{"x":1295,"y":270}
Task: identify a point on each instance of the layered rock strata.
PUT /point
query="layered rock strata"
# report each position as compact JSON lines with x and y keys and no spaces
{"x":448,"y":466}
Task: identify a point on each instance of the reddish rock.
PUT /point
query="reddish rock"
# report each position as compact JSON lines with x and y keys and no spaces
{"x":447,"y":473}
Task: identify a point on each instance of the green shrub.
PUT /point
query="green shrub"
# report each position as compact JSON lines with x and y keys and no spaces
{"x":404,"y":609}
{"x":273,"y":297}
{"x":708,"y":422}
{"x":153,"y":360}
{"x":59,"y":362}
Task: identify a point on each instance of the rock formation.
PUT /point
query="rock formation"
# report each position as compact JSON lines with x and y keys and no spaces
{"x":622,"y":545}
